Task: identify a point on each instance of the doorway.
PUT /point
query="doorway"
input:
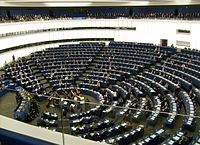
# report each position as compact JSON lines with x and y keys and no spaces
{"x":163,"y":42}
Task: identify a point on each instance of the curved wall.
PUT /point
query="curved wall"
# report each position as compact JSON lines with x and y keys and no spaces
{"x":147,"y":31}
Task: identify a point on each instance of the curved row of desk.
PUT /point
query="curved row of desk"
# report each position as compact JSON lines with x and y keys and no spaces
{"x":137,"y":86}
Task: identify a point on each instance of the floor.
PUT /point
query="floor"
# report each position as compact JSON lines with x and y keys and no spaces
{"x":8,"y":103}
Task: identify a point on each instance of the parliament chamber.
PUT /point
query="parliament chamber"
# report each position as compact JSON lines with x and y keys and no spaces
{"x":118,"y":75}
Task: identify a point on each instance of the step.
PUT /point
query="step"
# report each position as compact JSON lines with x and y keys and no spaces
{"x":33,"y":67}
{"x":41,"y":78}
{"x":37,"y":71}
{"x":47,"y":85}
{"x":49,"y":89}
{"x":87,"y":71}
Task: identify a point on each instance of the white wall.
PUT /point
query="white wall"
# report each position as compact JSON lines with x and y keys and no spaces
{"x":7,"y":56}
{"x":147,"y":31}
{"x":119,"y":35}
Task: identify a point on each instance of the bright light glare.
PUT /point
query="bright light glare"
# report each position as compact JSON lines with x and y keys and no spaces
{"x":52,"y":4}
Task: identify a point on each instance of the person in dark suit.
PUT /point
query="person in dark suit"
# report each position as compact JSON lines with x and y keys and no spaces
{"x":64,"y":111}
{"x":13,"y":57}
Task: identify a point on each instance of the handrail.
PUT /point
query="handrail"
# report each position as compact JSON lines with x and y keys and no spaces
{"x":39,"y":134}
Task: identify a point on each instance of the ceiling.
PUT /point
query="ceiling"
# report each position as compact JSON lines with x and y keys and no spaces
{"x":93,"y":3}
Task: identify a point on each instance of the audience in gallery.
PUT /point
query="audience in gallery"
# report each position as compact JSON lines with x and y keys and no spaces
{"x":152,"y":15}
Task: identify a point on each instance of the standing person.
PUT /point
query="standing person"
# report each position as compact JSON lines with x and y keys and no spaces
{"x":82,"y":102}
{"x":64,"y":111}
{"x":13,"y":57}
{"x":98,"y":84}
{"x":76,"y":102}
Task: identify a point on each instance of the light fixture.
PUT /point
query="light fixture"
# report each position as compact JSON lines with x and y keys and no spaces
{"x":67,"y":4}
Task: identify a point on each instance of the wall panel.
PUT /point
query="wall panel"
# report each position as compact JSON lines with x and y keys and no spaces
{"x":147,"y":31}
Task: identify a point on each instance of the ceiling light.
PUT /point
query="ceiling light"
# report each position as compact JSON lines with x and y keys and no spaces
{"x":67,"y":4}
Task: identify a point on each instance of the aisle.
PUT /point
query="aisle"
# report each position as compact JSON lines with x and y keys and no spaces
{"x":8,"y":104}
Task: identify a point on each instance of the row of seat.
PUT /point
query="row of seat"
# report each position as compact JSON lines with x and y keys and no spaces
{"x":92,"y":127}
{"x":151,"y":139}
{"x":24,"y":105}
{"x":190,"y":110}
{"x":162,"y":87}
{"x":175,"y":138}
{"x":107,"y":132}
{"x":48,"y":119}
{"x":127,"y":137}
